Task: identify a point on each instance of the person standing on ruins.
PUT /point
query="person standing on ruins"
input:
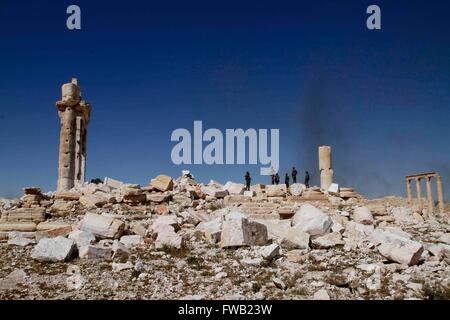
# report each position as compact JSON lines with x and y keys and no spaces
{"x":277,"y":178}
{"x":286,"y":180}
{"x":307,"y":179}
{"x":248,"y":180}
{"x":294,"y":175}
{"x":272,"y":175}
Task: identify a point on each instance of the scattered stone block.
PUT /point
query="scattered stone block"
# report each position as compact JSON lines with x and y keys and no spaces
{"x":169,"y":239}
{"x":363,"y":215}
{"x":95,"y":252}
{"x":53,"y":249}
{"x":311,"y":220}
{"x":102,"y":227}
{"x":132,"y":241}
{"x":162,"y":183}
{"x":270,"y":252}
{"x":237,"y":231}
{"x":296,"y":189}
{"x":234,"y":188}
{"x":276,"y":190}
{"x":82,"y":238}
{"x":119,"y":250}
{"x":91,"y":200}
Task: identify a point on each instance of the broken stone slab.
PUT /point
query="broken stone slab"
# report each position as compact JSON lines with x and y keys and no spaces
{"x":251,"y":262}
{"x":295,"y":239}
{"x":82,"y":238}
{"x":379,"y":236}
{"x":238,"y":230}
{"x":137,"y":198}
{"x":24,"y":215}
{"x":32,"y":190}
{"x":119,"y":250}
{"x":95,"y":252}
{"x":249,"y":194}
{"x":161,"y":223}
{"x":53,"y":233}
{"x":363,"y":215}
{"x":333,"y":189}
{"x":118,"y":267}
{"x":53,"y":249}
{"x":169,"y":239}
{"x":234,"y":188}
{"x":270,"y":252}
{"x":19,"y":239}
{"x":138,"y":228}
{"x":210,"y":230}
{"x":328,"y":241}
{"x":91,"y":200}
{"x":161,"y":209}
{"x":112,"y":183}
{"x":311,"y":220}
{"x":157,"y":197}
{"x":276,"y":190}
{"x":18,"y":226}
{"x":322,"y":294}
{"x":132,"y":241}
{"x":214,"y":192}
{"x":296,"y":189}
{"x":52,"y":225}
{"x":61,"y":206}
{"x":357,"y":231}
{"x":102,"y":227}
{"x":67,"y":195}
{"x":13,"y":280}
{"x":402,"y":251}
{"x":403,"y":215}
{"x":162,"y":183}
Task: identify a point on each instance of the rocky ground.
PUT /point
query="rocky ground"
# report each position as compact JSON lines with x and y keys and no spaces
{"x":178,"y":239}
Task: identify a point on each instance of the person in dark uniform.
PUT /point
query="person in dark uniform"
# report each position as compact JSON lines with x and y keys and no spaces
{"x":248,"y":180}
{"x":277,"y":178}
{"x":294,"y":175}
{"x":273,"y":178}
{"x":286,"y":180}
{"x":307,"y":179}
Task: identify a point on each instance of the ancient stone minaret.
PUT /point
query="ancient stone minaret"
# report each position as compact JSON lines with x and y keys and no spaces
{"x":74,"y":115}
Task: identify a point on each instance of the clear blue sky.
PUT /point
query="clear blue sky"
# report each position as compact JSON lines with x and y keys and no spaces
{"x":310,"y":68}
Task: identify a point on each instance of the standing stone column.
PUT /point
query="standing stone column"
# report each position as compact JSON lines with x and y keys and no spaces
{"x":74,"y":114}
{"x":325,"y":167}
{"x":408,"y":190}
{"x":419,"y":193}
{"x":440,"y":193}
{"x":429,"y":196}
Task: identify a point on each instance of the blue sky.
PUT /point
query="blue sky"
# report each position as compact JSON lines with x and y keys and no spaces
{"x":310,"y":68}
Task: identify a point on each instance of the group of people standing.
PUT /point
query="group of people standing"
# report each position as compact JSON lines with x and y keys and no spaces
{"x":276,"y":178}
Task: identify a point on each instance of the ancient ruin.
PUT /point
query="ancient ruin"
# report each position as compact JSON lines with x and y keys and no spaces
{"x":178,"y":238}
{"x":430,"y":202}
{"x":74,"y":115}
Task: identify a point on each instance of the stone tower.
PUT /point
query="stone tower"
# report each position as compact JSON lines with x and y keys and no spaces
{"x":74,"y":115}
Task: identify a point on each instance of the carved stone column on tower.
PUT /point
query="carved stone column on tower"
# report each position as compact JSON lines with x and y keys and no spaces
{"x":74,"y":114}
{"x":429,"y":196}
{"x":325,"y":167}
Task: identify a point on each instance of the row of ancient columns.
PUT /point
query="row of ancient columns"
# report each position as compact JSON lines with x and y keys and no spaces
{"x":430,"y":200}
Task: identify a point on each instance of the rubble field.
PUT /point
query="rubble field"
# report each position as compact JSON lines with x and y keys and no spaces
{"x":180,"y":239}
